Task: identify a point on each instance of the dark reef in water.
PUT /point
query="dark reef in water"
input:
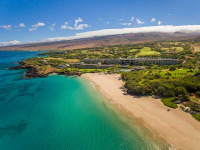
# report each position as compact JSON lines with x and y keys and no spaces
{"x":13,"y":130}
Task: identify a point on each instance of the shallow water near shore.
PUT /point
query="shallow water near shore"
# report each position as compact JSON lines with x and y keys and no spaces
{"x":59,"y":112}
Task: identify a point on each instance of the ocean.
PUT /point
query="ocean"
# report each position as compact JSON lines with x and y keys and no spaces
{"x":61,"y":113}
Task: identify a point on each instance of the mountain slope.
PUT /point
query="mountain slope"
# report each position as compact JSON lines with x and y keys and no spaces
{"x":102,"y":41}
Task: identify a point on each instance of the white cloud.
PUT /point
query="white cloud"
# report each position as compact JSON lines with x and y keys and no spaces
{"x":52,"y":27}
{"x":107,"y":22}
{"x":132,"y":18}
{"x":15,"y":42}
{"x":159,"y":22}
{"x":22,"y":25}
{"x":153,"y":19}
{"x":81,"y":26}
{"x":162,"y":29}
{"x":8,"y":27}
{"x":139,"y":21}
{"x":126,"y":24}
{"x":120,"y":19}
{"x":77,"y":26}
{"x":36,"y":26}
{"x":77,"y":21}
{"x":66,"y":26}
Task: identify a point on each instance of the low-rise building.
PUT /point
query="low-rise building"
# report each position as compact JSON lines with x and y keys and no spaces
{"x":133,"y":61}
{"x":63,"y":66}
{"x":89,"y":66}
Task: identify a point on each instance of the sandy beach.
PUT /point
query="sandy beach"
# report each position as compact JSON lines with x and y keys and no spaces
{"x":175,"y":126}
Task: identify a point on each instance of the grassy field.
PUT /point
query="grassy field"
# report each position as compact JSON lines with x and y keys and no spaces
{"x":195,"y":100}
{"x":169,"y":102}
{"x":173,"y":49}
{"x":84,"y":51}
{"x":147,"y":51}
{"x":133,"y":50}
{"x":196,"y":116}
{"x":176,"y":73}
{"x":64,"y":60}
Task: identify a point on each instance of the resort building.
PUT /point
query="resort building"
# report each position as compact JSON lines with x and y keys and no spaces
{"x":89,"y":66}
{"x":123,"y":62}
{"x":133,"y":61}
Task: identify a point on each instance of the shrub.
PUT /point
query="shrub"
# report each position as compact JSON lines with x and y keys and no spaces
{"x":157,"y":76}
{"x":172,"y":68}
{"x":196,"y":116}
{"x":198,"y":93}
{"x":169,"y":102}
{"x":197,"y":73}
{"x":180,"y":90}
{"x":168,"y":74}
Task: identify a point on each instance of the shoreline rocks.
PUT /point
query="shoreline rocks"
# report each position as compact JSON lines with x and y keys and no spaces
{"x":32,"y":72}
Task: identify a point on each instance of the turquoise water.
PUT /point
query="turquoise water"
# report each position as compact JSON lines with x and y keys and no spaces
{"x":60,"y":113}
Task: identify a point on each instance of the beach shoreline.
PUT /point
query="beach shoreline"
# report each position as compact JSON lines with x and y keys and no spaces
{"x":175,"y":126}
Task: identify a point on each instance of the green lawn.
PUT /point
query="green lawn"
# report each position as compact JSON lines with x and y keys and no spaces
{"x":177,"y":49}
{"x":169,"y":102}
{"x":84,"y":70}
{"x":195,"y":100}
{"x":84,"y":51}
{"x":196,"y":116}
{"x":133,"y":50}
{"x":177,"y":73}
{"x":147,"y":51}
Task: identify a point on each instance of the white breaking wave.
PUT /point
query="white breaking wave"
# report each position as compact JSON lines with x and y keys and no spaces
{"x":92,"y":85}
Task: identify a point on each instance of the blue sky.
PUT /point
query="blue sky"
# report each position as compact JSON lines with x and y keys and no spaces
{"x":34,"y":20}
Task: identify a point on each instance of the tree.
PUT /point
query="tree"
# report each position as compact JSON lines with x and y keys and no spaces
{"x":180,"y":90}
{"x":168,"y":74}
{"x":184,"y":98}
{"x":157,"y":76}
{"x":172,"y":68}
{"x":198,"y":93}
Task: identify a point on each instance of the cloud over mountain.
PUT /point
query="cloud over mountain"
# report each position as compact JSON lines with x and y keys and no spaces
{"x":15,"y":42}
{"x":105,"y":32}
{"x":162,"y":29}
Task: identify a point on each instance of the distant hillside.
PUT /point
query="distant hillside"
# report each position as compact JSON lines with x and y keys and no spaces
{"x":102,"y":41}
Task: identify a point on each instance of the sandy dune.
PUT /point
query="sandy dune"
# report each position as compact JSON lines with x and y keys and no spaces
{"x":176,"y":126}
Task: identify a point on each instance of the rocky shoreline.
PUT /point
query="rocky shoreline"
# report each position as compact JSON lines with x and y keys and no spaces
{"x":33,"y":72}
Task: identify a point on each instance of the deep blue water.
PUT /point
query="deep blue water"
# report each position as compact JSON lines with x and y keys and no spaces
{"x":60,"y":113}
